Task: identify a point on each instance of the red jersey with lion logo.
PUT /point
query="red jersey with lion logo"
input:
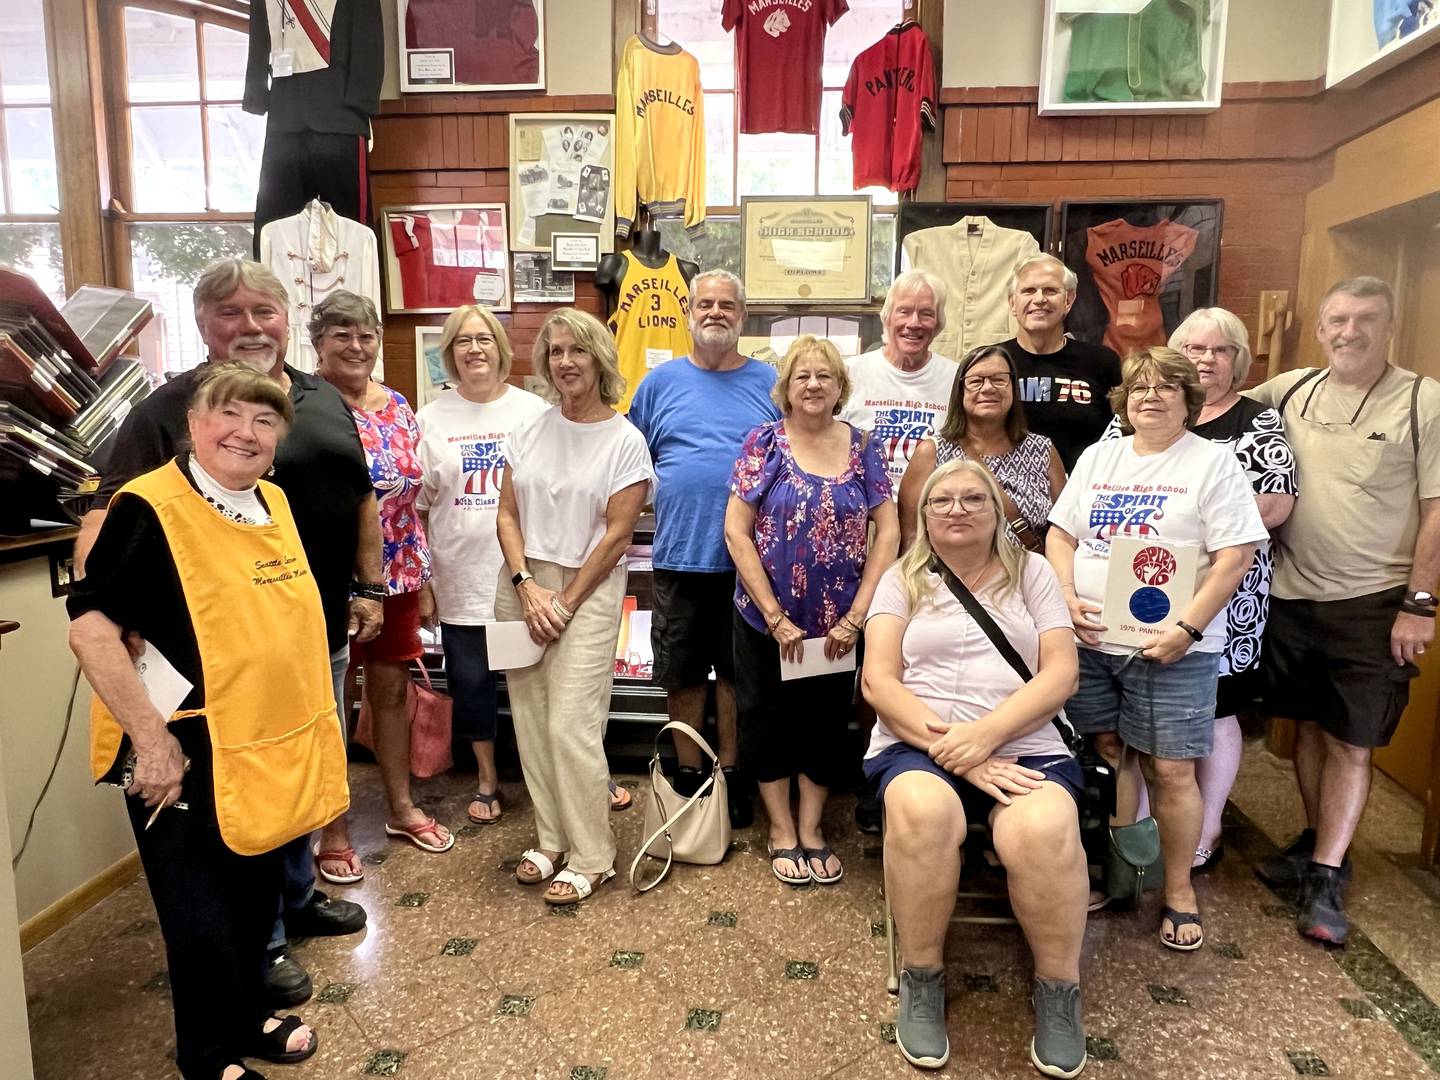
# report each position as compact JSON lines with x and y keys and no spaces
{"x":1131,"y":266}
{"x":780,"y":45}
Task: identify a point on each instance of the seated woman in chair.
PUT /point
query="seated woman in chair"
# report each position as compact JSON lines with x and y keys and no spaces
{"x":961,"y":737}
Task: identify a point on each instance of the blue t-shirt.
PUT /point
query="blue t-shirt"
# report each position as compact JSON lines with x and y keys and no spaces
{"x":695,"y":422}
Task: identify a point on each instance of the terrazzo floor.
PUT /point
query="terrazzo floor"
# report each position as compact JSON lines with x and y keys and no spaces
{"x":725,"y":972}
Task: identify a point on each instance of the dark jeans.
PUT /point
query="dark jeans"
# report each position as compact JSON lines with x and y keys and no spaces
{"x":215,"y":909}
{"x":473,"y":686}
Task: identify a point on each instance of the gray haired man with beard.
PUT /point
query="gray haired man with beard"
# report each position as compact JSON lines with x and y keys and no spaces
{"x":243,"y":315}
{"x":695,"y":413}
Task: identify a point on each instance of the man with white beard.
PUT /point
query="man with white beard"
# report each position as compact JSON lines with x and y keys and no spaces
{"x":695,"y":413}
{"x":243,"y":315}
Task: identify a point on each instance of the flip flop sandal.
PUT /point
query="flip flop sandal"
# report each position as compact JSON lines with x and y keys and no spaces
{"x":1177,"y":920}
{"x":616,"y":802}
{"x":270,"y":1045}
{"x":795,"y":855}
{"x":824,"y":854}
{"x":413,"y":833}
{"x":579,"y":882}
{"x":345,"y":855}
{"x":541,"y":863}
{"x":248,"y":1074}
{"x":491,"y":800}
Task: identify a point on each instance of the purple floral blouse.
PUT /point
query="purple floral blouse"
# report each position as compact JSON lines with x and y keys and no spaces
{"x":390,"y":437}
{"x":809,"y":530}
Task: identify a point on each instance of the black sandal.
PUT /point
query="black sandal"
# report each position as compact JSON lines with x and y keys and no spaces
{"x":271,"y":1045}
{"x":248,"y":1074}
{"x":492,"y":800}
{"x":1177,"y":920}
{"x":824,"y":855}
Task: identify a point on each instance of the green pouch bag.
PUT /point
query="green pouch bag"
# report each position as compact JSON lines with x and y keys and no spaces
{"x":1134,"y":864}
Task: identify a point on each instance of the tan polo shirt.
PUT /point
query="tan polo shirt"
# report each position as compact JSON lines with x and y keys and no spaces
{"x":1355,"y":521}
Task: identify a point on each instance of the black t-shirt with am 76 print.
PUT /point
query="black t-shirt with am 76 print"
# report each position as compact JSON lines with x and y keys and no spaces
{"x":1066,"y":394}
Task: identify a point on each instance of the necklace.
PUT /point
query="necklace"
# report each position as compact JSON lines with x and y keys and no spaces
{"x":1356,"y":416}
{"x":233,"y":515}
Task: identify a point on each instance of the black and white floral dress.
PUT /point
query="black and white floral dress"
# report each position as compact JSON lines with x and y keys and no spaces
{"x":1257,"y":436}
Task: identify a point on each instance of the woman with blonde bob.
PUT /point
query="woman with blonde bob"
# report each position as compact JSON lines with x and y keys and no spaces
{"x":961,"y":737}
{"x":1159,"y":482}
{"x":462,"y":460}
{"x":577,"y":478}
{"x":802,"y":495}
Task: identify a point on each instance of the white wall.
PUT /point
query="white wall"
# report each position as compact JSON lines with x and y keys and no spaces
{"x":997,"y":42}
{"x":578,"y":37}
{"x":81,"y":830}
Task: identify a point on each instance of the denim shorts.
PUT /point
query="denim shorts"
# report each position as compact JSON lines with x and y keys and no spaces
{"x":1164,"y":710}
{"x":899,"y":758}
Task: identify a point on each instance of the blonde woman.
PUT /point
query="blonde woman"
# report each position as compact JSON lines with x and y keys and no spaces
{"x":960,"y":737}
{"x":803,"y":492}
{"x":462,"y":461}
{"x":577,"y":479}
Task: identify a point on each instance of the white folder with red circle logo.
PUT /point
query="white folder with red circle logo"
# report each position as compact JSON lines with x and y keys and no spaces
{"x":1149,"y":584}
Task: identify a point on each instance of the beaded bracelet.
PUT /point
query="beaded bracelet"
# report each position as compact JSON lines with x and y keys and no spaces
{"x":560,"y":609}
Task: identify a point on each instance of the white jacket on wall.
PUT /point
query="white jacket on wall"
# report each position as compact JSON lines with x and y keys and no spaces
{"x":315,"y":253}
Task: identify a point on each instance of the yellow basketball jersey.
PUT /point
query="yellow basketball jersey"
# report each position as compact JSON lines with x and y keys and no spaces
{"x":651,"y":322}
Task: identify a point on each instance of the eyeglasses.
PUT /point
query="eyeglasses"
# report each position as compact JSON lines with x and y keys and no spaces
{"x":345,"y":338}
{"x":974,"y":503}
{"x":468,"y":342}
{"x":1162,"y":390}
{"x":1220,"y":352}
{"x":979,"y":382}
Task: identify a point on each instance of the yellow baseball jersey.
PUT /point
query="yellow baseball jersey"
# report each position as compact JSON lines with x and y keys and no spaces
{"x":659,"y":136}
{"x":651,"y":322}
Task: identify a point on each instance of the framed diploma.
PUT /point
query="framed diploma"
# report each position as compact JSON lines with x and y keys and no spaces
{"x":1148,"y":585}
{"x":440,"y":257}
{"x":806,"y":251}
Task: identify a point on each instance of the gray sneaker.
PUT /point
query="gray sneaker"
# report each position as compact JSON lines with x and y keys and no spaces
{"x":1286,"y":868}
{"x":920,"y":1027}
{"x":1058,"y":1048}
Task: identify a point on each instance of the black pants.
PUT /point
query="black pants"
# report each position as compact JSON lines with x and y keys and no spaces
{"x":801,"y":727}
{"x":216,"y":909}
{"x":298,"y":166}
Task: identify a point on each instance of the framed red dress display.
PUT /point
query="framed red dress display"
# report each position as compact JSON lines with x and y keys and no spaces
{"x":450,"y":45}
{"x":440,"y":257}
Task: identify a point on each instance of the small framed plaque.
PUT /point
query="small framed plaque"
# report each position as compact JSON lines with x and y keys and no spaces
{"x":806,"y":251}
{"x":574,"y":251}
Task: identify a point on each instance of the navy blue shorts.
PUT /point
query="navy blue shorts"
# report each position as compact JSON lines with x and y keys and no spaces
{"x":901,"y":758}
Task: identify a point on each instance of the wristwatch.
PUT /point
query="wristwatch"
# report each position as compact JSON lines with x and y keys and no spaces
{"x":1195,"y":635}
{"x":367,"y":590}
{"x":1421,"y":603}
{"x":520,"y":577}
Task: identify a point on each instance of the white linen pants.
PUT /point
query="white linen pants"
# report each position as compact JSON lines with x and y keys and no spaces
{"x":561,"y":706}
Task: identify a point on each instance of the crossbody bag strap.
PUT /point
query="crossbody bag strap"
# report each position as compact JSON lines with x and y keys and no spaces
{"x":997,"y":638}
{"x":666,"y":824}
{"x":1415,"y":419}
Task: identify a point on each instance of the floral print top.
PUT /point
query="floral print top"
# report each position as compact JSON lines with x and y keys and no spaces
{"x":809,"y":530}
{"x":390,"y":437}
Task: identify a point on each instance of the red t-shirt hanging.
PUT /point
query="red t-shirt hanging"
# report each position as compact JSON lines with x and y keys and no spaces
{"x":889,"y":94}
{"x":780,"y":45}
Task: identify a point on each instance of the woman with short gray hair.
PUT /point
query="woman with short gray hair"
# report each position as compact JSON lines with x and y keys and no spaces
{"x":345,"y":329}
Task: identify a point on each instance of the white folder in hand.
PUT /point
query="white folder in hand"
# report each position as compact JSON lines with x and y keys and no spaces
{"x":813,"y":662}
{"x":508,"y":645}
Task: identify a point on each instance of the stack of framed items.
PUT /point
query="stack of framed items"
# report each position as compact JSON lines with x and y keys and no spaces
{"x":1143,"y":267}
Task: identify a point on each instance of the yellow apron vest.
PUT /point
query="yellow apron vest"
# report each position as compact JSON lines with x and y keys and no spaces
{"x":279,"y":759}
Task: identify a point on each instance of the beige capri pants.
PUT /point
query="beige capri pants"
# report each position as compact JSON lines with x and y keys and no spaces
{"x":561,"y":707}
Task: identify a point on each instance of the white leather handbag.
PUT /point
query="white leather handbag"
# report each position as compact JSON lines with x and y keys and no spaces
{"x":694,"y":830}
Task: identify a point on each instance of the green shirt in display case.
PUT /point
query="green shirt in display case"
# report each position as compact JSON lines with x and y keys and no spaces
{"x":1153,"y":55}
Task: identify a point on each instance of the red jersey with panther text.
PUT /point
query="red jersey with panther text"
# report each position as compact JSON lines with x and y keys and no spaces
{"x":780,"y":45}
{"x":1130,"y":266}
{"x":889,"y":95}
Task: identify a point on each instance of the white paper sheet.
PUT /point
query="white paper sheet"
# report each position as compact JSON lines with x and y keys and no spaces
{"x":508,"y":645}
{"x":813,"y":662}
{"x":166,"y":687}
